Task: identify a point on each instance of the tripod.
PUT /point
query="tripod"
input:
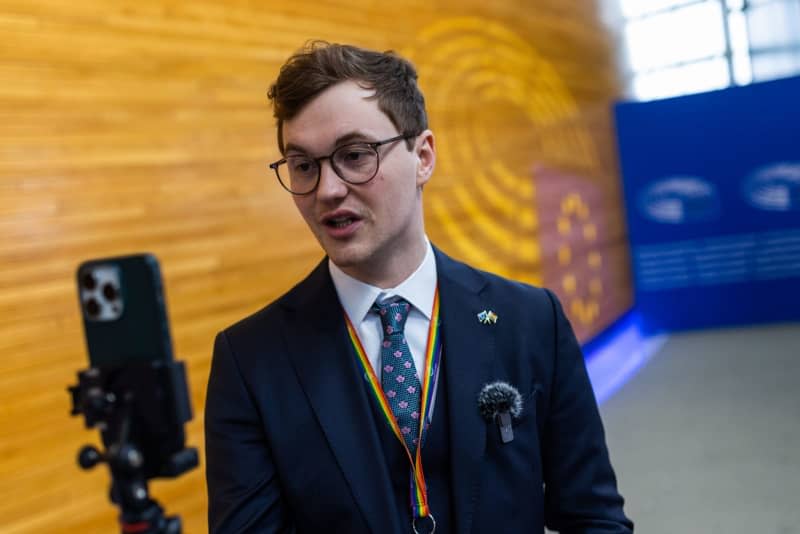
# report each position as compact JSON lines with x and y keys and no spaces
{"x":140,"y":410}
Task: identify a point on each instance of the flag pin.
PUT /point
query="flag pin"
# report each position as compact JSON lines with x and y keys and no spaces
{"x":487,"y":317}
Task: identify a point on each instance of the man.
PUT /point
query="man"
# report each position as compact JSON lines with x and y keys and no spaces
{"x":317,"y":404}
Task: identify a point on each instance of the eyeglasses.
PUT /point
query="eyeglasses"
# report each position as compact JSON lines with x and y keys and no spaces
{"x":355,"y":163}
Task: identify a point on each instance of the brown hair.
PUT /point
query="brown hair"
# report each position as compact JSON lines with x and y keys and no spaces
{"x":319,"y":65}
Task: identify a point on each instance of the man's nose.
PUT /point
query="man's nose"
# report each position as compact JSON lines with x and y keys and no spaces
{"x":330,"y":184}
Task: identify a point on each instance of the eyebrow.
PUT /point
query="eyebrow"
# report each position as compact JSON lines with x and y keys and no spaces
{"x":350,"y":137}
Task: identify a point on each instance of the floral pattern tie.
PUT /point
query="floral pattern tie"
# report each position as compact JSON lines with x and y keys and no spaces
{"x":398,"y":373}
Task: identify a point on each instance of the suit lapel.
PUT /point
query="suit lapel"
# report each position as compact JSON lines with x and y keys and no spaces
{"x":468,"y":353}
{"x":328,"y":371}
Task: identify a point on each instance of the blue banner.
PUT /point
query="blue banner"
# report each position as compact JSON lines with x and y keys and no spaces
{"x":712,"y":193}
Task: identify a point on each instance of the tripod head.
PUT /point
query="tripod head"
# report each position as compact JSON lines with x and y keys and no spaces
{"x":140,"y":409}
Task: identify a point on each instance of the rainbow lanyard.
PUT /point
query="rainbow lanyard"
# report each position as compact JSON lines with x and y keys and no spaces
{"x":433,"y":353}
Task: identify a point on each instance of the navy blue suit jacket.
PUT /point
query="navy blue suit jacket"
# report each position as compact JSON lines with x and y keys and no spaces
{"x":292,"y":444}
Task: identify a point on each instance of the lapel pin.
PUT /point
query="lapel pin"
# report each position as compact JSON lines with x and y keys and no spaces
{"x":487,"y":317}
{"x":500,"y":402}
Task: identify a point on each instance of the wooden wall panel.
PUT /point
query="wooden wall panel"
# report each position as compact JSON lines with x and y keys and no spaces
{"x":143,"y":125}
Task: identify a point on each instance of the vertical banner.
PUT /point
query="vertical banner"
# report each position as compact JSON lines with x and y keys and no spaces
{"x":712,"y":193}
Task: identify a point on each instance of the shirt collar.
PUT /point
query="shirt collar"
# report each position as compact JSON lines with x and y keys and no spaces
{"x":418,"y":289}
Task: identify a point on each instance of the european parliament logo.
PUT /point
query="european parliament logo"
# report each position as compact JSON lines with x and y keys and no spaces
{"x":775,"y":187}
{"x":680,"y":200}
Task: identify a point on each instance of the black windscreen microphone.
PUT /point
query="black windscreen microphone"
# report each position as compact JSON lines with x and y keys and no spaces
{"x":500,"y":402}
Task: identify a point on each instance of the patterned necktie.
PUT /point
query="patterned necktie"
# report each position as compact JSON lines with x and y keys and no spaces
{"x":398,"y":373}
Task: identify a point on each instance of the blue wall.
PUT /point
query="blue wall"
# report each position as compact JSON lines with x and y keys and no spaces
{"x":712,"y":194}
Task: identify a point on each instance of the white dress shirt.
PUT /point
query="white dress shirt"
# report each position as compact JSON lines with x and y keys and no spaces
{"x":418,"y":289}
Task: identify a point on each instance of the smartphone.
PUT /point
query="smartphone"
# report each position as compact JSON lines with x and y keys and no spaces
{"x":124,"y":311}
{"x":134,"y":391}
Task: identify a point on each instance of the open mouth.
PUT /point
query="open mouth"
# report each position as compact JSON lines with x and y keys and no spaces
{"x":340,"y":222}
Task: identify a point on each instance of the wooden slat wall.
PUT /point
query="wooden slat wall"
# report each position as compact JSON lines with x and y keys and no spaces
{"x":143,"y":125}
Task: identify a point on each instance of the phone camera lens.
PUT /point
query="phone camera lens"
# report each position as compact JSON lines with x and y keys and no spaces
{"x":109,"y":291}
{"x":92,"y":308}
{"x":89,"y":281}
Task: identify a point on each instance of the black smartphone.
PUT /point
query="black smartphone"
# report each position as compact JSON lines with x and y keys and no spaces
{"x":124,"y":310}
{"x":134,"y":391}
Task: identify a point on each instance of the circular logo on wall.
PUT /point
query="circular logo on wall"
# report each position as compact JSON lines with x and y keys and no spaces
{"x":679,"y":200}
{"x":775,"y":187}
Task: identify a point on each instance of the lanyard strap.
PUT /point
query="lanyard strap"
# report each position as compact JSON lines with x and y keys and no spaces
{"x":433,"y":354}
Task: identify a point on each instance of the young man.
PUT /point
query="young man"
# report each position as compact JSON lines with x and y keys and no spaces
{"x":318,"y":403}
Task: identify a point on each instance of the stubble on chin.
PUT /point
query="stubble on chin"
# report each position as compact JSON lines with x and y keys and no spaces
{"x":344,"y":257}
{"x":339,"y":253}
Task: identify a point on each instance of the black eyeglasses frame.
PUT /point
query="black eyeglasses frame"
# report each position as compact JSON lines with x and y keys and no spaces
{"x":373,"y":145}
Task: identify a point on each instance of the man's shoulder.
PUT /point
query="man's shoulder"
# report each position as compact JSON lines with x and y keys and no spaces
{"x":486,"y":281}
{"x":272,"y":315}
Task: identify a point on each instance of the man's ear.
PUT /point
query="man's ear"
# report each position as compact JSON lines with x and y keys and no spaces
{"x":426,"y":157}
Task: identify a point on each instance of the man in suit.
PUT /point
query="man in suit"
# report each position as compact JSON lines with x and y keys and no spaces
{"x":317,"y":404}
